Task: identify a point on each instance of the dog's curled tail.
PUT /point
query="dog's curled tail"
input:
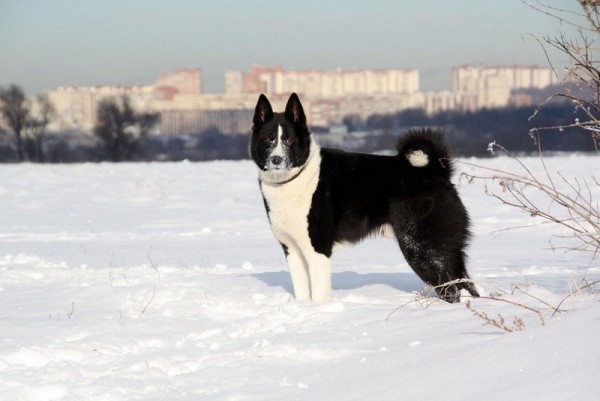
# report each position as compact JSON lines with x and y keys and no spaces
{"x":425,"y":150}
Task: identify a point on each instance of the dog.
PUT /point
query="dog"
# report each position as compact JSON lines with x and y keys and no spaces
{"x":319,"y":198}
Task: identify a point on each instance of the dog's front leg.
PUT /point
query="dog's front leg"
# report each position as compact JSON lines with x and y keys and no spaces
{"x":299,"y":273}
{"x":319,"y":267}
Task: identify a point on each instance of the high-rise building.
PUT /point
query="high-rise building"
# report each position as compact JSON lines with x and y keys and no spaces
{"x":234,"y":82}
{"x":76,"y":107}
{"x":328,"y":84}
{"x":186,"y":81}
{"x":185,"y":122}
{"x":491,"y":86}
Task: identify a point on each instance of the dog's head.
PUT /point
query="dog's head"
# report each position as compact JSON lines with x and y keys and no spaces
{"x":280,"y":144}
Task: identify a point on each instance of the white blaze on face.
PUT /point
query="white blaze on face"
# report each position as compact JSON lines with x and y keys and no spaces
{"x":280,"y":151}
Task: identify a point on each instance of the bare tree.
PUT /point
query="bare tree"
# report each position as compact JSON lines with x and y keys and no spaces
{"x":14,"y":109}
{"x":121,"y":129}
{"x":548,"y":198}
{"x":36,"y":127}
{"x":581,"y":83}
{"x":551,"y":196}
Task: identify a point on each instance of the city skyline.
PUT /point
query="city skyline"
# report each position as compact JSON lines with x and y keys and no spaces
{"x":44,"y":45}
{"x":329,"y":95}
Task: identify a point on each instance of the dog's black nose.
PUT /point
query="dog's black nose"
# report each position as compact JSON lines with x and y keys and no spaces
{"x":276,"y":160}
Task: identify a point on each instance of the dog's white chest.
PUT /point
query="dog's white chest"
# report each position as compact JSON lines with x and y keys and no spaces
{"x":289,"y":213}
{"x":289,"y":205}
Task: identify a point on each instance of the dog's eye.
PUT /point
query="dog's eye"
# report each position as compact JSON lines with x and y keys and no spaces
{"x":289,"y":140}
{"x":269,"y":140}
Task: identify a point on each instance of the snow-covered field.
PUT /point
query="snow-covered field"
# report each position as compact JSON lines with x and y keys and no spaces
{"x":164,"y":282}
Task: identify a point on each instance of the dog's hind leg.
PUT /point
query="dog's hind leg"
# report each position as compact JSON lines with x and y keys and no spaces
{"x":443,"y":269}
{"x":432,"y":268}
{"x":433,"y":245}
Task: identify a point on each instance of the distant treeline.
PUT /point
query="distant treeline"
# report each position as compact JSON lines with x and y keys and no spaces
{"x":78,"y":147}
{"x":471,"y":132}
{"x":468,"y":132}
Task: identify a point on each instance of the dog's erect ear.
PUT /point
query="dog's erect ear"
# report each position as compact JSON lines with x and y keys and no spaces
{"x":263,"y":111}
{"x":294,"y":111}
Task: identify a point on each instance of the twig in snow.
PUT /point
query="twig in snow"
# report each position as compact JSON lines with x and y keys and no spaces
{"x":587,"y":285}
{"x":110,"y":268}
{"x":154,"y":265}
{"x":517,"y":325}
{"x":420,"y":299}
{"x":149,"y":302}
{"x":536,"y":311}
{"x":72,"y":310}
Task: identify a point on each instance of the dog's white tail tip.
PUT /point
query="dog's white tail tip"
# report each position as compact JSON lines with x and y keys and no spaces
{"x":418,"y":158}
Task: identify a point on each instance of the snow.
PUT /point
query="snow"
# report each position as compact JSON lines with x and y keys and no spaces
{"x":163,"y":281}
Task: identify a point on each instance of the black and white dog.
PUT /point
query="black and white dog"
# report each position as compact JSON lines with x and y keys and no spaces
{"x":318,"y":198}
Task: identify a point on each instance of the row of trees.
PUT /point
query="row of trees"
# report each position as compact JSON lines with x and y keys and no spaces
{"x":121,"y":131}
{"x":471,"y":132}
{"x":28,"y":123}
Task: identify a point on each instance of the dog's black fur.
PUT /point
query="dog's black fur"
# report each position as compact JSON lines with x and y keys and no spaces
{"x":359,"y":194}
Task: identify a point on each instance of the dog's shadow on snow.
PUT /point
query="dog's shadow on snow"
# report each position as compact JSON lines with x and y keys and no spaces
{"x":407,"y":282}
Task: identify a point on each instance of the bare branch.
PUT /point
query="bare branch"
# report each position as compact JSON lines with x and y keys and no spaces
{"x":149,"y":302}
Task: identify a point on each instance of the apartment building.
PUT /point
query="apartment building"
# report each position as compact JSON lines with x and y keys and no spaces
{"x":491,"y":86}
{"x":185,"y":122}
{"x":323,"y":84}
{"x":186,"y":81}
{"x":76,"y":107}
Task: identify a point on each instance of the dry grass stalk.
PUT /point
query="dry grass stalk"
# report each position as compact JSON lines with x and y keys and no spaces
{"x":577,"y":209}
{"x":500,"y":322}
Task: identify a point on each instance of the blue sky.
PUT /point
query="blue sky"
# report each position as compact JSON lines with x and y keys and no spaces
{"x":45,"y":44}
